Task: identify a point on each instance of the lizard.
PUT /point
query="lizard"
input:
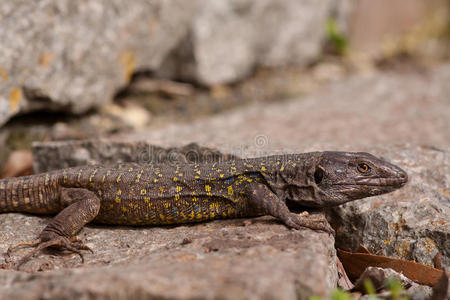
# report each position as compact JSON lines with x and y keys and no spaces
{"x":173,"y":193}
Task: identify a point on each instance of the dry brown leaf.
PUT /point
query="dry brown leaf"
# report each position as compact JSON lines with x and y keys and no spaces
{"x":356,"y":263}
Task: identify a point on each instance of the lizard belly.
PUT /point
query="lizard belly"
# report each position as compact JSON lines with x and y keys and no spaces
{"x":164,"y":211}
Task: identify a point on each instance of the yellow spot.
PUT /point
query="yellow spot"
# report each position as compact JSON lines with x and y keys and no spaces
{"x":130,"y":169}
{"x":198,"y":172}
{"x":45,"y":59}
{"x":230,"y":190}
{"x":147,"y":199}
{"x":194,"y":199}
{"x":119,"y":192}
{"x":118,"y":178}
{"x":143,"y":191}
{"x":103,"y":178}
{"x":207,"y":188}
{"x":159,"y":175}
{"x":263,"y":168}
{"x":198,"y":216}
{"x":282,"y":168}
{"x":138,"y":177}
{"x":155,"y":180}
{"x":128,"y":61}
{"x":192,"y":215}
{"x":162,"y":217}
{"x":161,"y":189}
{"x":221,"y":175}
{"x":177,"y":197}
{"x":180,"y":174}
{"x":197,"y":177}
{"x":214,"y":206}
{"x":117,"y":200}
{"x":3,"y":75}
{"x":212,"y":215}
{"x":15,"y":96}
{"x":175,"y":179}
{"x":124,"y":209}
{"x":179,"y":188}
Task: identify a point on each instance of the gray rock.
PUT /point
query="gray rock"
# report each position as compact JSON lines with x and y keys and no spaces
{"x":228,"y":38}
{"x":65,"y":55}
{"x":74,"y":56}
{"x":64,"y":154}
{"x":221,"y":259}
{"x":411,"y":223}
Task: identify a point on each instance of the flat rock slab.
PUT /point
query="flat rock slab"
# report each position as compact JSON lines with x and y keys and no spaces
{"x":231,"y":259}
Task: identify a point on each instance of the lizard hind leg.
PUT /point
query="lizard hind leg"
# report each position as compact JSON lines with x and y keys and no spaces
{"x":60,"y":232}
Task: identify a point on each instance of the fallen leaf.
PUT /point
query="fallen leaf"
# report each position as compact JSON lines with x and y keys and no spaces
{"x":356,"y":263}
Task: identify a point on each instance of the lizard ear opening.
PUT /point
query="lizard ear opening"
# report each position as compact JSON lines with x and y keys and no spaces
{"x":318,"y":175}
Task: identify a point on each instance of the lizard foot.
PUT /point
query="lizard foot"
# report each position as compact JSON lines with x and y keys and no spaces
{"x":298,"y":221}
{"x":73,"y":244}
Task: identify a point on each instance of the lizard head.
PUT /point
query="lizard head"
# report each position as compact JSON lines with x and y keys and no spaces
{"x":344,"y":176}
{"x":334,"y":178}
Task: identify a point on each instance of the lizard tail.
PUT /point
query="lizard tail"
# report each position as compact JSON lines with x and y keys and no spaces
{"x":34,"y":193}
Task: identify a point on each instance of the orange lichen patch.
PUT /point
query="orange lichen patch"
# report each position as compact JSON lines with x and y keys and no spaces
{"x":46,"y":59}
{"x":3,"y":75}
{"x":128,"y":61}
{"x":430,"y":245}
{"x":15,"y":96}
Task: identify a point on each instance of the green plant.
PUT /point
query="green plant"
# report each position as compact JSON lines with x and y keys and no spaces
{"x":337,"y":39}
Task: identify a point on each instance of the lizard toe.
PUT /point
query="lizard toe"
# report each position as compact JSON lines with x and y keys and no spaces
{"x":300,"y":221}
{"x":59,"y":242}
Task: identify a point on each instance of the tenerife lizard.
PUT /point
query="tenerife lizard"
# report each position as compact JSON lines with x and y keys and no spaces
{"x":159,"y":194}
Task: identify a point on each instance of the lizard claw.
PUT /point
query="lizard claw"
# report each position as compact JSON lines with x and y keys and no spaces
{"x":300,"y":221}
{"x":74,"y":244}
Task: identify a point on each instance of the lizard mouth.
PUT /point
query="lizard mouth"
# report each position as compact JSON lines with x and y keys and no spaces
{"x":388,"y":181}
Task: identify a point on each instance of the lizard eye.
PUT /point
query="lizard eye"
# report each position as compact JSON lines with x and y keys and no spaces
{"x":318,"y":175}
{"x":363,"y":168}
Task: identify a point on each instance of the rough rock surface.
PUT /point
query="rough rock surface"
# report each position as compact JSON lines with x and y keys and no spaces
{"x":64,"y":154}
{"x":231,"y":259}
{"x":73,"y":56}
{"x":412,"y":223}
{"x":228,"y":38}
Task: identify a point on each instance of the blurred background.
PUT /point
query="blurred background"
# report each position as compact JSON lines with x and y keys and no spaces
{"x":360,"y":72}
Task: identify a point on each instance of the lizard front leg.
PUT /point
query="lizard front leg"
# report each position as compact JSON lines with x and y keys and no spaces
{"x":83,"y":207}
{"x":262,"y":197}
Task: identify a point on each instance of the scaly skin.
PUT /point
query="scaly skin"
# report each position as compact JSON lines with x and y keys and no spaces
{"x":132,"y":194}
